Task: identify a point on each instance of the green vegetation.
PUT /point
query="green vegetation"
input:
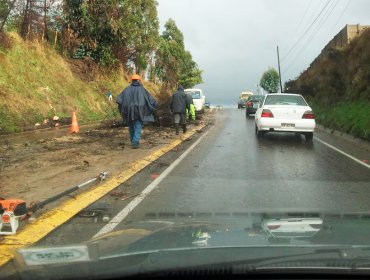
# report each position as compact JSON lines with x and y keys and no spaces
{"x":270,"y":80}
{"x":111,"y":33}
{"x":174,"y":64}
{"x":36,"y":83}
{"x":57,"y":57}
{"x":6,"y":7}
{"x":338,"y":87}
{"x":348,"y":117}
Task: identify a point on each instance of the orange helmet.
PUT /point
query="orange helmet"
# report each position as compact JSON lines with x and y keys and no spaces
{"x":135,"y":77}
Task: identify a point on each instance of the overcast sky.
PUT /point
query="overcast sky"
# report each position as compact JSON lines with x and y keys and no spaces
{"x":234,"y":41}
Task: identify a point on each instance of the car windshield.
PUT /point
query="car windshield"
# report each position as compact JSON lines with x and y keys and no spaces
{"x":195,"y":94}
{"x":285,"y":100}
{"x":256,"y":97}
{"x":113,"y":162}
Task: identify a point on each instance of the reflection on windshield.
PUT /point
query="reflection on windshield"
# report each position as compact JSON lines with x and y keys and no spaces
{"x":292,"y":227}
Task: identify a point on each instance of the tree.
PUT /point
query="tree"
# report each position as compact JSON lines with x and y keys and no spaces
{"x":110,"y":32}
{"x":113,"y":30}
{"x":144,"y":34}
{"x":31,"y":19}
{"x":6,"y":7}
{"x":189,"y":75}
{"x":174,"y":65}
{"x":270,"y":80}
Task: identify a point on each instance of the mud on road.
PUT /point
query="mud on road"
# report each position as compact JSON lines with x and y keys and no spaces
{"x":38,"y":169}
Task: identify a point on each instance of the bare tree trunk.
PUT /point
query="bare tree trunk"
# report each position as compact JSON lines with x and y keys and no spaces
{"x":25,"y":21}
{"x":55,"y":38}
{"x":45,"y":21}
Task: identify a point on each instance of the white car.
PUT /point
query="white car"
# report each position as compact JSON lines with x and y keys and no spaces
{"x":293,"y":227}
{"x":199,"y":99}
{"x":285,"y":112}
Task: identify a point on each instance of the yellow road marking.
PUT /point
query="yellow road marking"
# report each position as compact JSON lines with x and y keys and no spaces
{"x":52,"y":219}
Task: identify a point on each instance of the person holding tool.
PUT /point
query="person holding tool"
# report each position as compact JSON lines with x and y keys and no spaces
{"x":136,"y":106}
{"x":179,"y":104}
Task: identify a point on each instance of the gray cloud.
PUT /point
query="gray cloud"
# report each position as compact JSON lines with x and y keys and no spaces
{"x":234,"y":41}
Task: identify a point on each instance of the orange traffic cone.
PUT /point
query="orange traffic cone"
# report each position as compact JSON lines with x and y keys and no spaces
{"x":74,"y":126}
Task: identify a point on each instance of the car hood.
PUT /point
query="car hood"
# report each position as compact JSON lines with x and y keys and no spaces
{"x":240,"y":229}
{"x":192,"y":233}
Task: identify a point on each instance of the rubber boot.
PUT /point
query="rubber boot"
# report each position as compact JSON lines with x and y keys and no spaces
{"x":177,"y":128}
{"x":184,"y":128}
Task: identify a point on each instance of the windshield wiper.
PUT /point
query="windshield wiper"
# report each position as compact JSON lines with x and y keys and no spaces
{"x":327,"y":258}
{"x":281,"y":259}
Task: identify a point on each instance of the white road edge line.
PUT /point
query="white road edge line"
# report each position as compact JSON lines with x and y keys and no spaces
{"x":136,"y":201}
{"x":343,"y":153}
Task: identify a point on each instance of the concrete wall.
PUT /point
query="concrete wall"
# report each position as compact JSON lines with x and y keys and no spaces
{"x":342,"y":39}
{"x":346,"y":35}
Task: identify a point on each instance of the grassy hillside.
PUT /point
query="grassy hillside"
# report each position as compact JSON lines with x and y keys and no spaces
{"x":338,"y":88}
{"x":36,"y":83}
{"x":351,"y":117}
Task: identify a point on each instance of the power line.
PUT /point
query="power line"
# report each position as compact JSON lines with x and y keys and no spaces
{"x":321,"y":23}
{"x":322,"y":9}
{"x":314,"y":32}
{"x":324,"y":19}
{"x":300,"y":23}
{"x":318,"y":27}
{"x":341,"y":15}
{"x":305,"y":32}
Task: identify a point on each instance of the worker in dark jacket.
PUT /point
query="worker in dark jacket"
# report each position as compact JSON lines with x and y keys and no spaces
{"x":179,"y":104}
{"x":136,"y":105}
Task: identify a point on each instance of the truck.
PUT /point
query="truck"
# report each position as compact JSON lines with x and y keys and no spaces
{"x":243,"y":98}
{"x":245,"y":94}
{"x":199,"y":99}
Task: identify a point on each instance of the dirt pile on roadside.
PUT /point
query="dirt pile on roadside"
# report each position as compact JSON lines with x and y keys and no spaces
{"x":37,"y":169}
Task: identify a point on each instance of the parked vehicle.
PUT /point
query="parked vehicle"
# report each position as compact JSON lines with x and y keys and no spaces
{"x":199,"y":99}
{"x":242,"y":103}
{"x":252,"y":104}
{"x":285,"y":113}
{"x":207,"y":105}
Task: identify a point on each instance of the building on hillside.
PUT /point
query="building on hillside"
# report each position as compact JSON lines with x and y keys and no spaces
{"x":342,"y":39}
{"x":346,"y":35}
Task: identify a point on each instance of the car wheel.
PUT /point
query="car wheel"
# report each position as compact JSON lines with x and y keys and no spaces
{"x":309,"y":136}
{"x":259,"y":133}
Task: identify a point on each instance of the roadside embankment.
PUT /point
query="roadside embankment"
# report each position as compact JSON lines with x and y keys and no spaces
{"x":338,"y":89}
{"x":37,"y":83}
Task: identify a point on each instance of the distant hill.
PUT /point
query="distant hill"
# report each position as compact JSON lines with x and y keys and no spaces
{"x":37,"y":83}
{"x":338,"y":87}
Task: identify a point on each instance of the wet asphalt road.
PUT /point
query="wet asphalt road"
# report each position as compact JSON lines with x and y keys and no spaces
{"x":231,"y":170}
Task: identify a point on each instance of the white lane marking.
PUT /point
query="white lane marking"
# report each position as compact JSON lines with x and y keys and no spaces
{"x":343,"y":153}
{"x":136,"y":201}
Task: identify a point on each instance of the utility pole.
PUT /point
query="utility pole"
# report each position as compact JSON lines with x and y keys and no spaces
{"x":281,"y":86}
